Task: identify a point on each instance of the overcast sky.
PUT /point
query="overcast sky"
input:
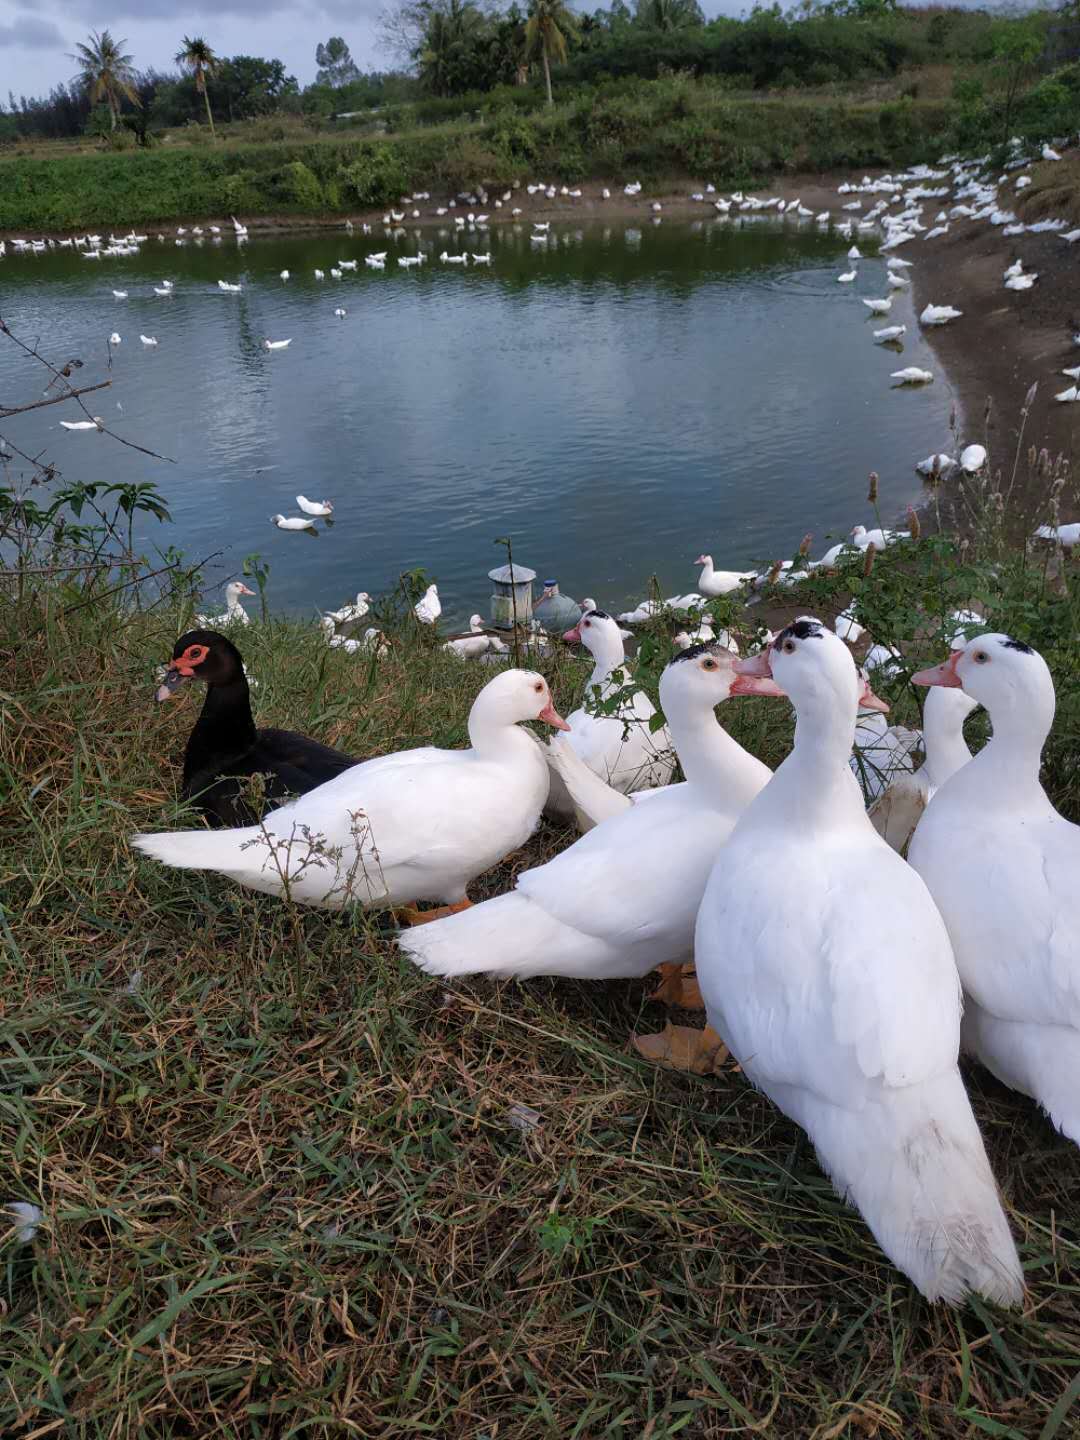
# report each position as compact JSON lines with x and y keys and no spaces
{"x":36,"y":36}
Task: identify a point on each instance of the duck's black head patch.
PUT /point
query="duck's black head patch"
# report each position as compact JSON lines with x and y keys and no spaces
{"x":695,"y":652}
{"x":599,"y":614}
{"x":1012,"y":644}
{"x":801,"y":630}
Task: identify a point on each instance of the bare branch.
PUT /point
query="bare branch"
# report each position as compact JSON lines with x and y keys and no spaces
{"x":6,"y":411}
{"x":71,"y":392}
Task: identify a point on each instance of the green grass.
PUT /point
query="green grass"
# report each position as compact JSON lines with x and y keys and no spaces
{"x":284,"y":1194}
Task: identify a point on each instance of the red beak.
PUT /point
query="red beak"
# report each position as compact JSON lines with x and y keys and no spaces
{"x":943,"y":674}
{"x":572,"y":637}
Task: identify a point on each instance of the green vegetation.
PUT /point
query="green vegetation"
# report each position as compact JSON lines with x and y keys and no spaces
{"x":493,"y":95}
{"x":288,"y":1187}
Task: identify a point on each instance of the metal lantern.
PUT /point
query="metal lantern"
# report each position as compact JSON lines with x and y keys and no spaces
{"x":512,"y":595}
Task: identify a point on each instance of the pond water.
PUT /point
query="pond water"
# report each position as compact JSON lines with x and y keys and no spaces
{"x":616,"y":400}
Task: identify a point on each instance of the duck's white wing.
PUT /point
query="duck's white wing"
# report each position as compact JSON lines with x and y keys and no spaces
{"x":637,"y":876}
{"x":1023,"y":884}
{"x":816,"y":989}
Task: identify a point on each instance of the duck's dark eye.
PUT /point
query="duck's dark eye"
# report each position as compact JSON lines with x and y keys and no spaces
{"x":789,"y":647}
{"x":981,"y":657}
{"x":709,"y":665}
{"x":539,"y":687}
{"x":195,"y":654}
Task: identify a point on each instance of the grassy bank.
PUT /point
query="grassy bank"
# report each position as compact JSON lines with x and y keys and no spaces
{"x":674,"y":126}
{"x":284,"y":1189}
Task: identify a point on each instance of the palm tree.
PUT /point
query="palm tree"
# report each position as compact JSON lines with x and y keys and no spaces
{"x":199,"y":60}
{"x":446,"y":53}
{"x":105,"y":72}
{"x":546,"y":31}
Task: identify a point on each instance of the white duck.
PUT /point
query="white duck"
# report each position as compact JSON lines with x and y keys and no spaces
{"x":94,"y":424}
{"x":912,"y":375}
{"x":234,"y":612}
{"x":415,"y":825}
{"x":314,"y":507}
{"x":348,"y":613}
{"x":622,"y":899}
{"x":620,"y":747}
{"x":473,"y":645}
{"x":897,"y":812}
{"x":828,"y":972}
{"x":292,"y":522}
{"x":1067,"y":535}
{"x":1002,"y":863}
{"x":276,"y":344}
{"x":713,"y":582}
{"x":429,"y":607}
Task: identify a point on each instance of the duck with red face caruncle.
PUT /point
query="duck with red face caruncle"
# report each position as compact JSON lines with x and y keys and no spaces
{"x":225,"y":748}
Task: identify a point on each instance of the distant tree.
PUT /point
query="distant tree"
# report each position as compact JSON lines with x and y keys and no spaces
{"x":547,"y":29}
{"x":669,"y":14}
{"x":247,"y":85}
{"x":105,"y":72}
{"x":1017,"y":46}
{"x":448,"y":59}
{"x":335,"y":64}
{"x":196,"y":57}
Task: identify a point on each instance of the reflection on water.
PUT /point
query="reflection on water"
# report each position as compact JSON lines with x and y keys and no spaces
{"x":618,"y":399}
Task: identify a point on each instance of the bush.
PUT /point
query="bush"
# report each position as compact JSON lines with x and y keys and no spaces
{"x":376,"y":175}
{"x":298,"y":186}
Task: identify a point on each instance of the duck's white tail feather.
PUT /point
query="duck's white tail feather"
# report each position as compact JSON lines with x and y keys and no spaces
{"x":221,"y":850}
{"x":577,"y":789}
{"x":510,"y":935}
{"x":913,"y":1164}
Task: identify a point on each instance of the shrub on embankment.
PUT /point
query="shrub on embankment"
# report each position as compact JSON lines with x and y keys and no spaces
{"x":659,"y":129}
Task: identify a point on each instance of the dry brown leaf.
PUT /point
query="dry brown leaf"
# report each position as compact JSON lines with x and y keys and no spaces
{"x":678,"y":986}
{"x":699,"y":1052}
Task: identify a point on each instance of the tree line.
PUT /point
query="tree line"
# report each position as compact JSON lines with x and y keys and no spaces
{"x":457,"y":48}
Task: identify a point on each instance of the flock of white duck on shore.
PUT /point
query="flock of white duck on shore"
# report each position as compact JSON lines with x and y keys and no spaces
{"x":832,"y":968}
{"x":843,"y":977}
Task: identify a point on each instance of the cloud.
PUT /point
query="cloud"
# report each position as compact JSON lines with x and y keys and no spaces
{"x":31,"y":34}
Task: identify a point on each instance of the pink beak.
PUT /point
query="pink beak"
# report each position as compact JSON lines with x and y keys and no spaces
{"x":551,"y":716}
{"x":245,"y":591}
{"x":572,"y":637}
{"x":756,"y":665}
{"x":869,"y":701}
{"x":943,"y":674}
{"x":755,"y":677}
{"x":756,"y":685}
{"x":700,"y":560}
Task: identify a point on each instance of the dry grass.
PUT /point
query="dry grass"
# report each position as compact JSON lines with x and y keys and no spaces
{"x":283,"y":1187}
{"x":1054,"y":192}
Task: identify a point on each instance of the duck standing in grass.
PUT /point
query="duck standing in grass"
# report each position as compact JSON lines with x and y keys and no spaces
{"x":1002,"y":865}
{"x":827,"y":970}
{"x":414,"y":825}
{"x":225,"y":749}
